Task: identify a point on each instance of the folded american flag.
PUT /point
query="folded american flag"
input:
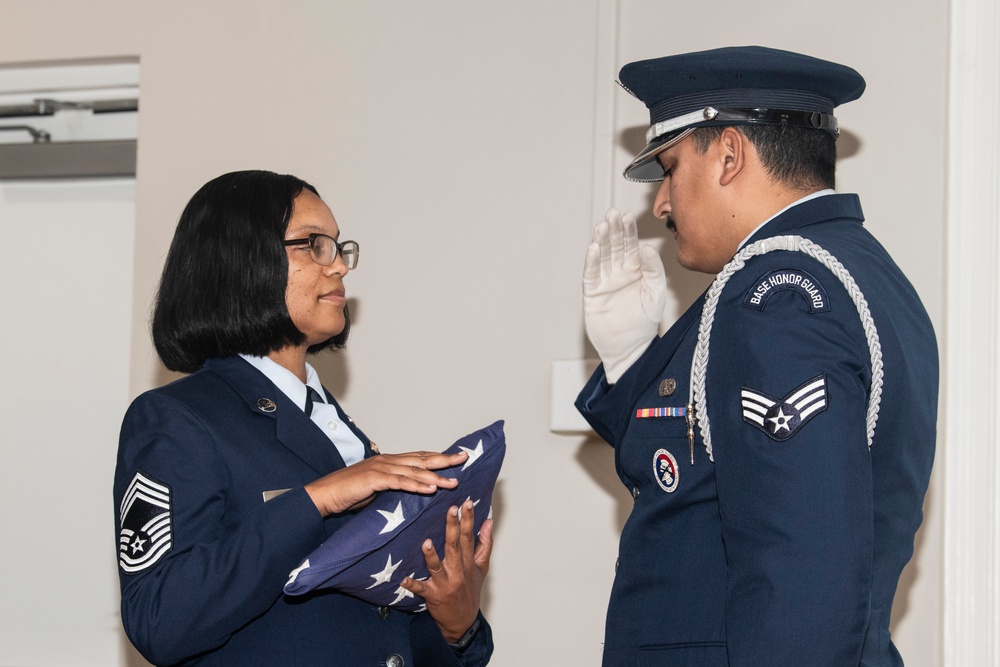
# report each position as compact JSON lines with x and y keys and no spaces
{"x":372,"y":553}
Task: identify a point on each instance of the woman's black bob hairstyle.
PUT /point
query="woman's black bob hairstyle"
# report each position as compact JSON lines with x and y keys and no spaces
{"x":223,"y":286}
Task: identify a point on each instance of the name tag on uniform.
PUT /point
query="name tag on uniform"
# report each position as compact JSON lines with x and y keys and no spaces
{"x":271,"y":495}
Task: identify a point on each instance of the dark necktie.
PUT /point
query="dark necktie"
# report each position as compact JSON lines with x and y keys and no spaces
{"x":312,"y":396}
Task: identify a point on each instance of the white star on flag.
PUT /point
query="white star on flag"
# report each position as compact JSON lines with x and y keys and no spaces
{"x":294,"y":573}
{"x":386,"y":574}
{"x":393,"y":519}
{"x":473,"y":454}
{"x":473,"y":505}
{"x":402,"y":593}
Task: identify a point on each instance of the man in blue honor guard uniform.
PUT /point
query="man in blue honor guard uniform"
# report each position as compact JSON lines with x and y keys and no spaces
{"x":778,"y":438}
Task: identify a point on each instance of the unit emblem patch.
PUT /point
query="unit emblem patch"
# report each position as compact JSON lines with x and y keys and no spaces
{"x":781,"y":418}
{"x":802,"y":282}
{"x":146,"y":532}
{"x":665,"y":470}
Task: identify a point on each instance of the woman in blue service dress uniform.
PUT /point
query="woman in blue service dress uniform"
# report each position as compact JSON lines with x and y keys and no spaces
{"x":229,"y":477}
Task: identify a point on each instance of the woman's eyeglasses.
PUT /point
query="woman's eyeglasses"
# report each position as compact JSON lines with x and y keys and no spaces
{"x":324,"y":249}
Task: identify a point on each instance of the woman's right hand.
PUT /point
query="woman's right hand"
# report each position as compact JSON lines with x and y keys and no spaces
{"x":355,"y":486}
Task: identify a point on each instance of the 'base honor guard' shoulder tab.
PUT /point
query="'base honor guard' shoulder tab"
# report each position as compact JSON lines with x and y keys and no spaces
{"x":801,"y":282}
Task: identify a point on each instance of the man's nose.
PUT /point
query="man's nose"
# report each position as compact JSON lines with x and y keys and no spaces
{"x":661,"y":205}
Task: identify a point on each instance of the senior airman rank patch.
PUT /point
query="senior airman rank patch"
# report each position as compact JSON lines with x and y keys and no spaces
{"x":781,"y":418}
{"x":146,"y":532}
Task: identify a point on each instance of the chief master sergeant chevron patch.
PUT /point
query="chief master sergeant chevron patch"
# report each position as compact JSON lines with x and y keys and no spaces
{"x":145,"y":516}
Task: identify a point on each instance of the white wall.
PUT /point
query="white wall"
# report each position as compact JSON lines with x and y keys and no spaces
{"x":66,"y":264}
{"x":972,"y":472}
{"x":461,"y":144}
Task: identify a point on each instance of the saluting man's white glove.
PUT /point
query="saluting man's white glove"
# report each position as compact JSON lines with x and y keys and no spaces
{"x":624,"y":293}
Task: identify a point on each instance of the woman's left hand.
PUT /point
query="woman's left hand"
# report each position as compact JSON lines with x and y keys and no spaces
{"x":453,"y":588}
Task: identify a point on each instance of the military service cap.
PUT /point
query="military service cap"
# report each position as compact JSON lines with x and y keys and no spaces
{"x":733,"y":86}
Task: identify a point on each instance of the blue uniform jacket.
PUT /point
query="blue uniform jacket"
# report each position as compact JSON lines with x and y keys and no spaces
{"x":787,"y":549}
{"x":209,"y":446}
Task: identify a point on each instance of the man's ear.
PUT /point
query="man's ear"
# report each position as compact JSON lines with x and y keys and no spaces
{"x":733,"y":149}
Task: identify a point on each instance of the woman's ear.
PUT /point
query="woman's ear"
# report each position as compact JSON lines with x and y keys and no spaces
{"x":733,"y":154}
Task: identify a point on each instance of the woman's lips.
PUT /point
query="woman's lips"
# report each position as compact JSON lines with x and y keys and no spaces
{"x":334,"y":296}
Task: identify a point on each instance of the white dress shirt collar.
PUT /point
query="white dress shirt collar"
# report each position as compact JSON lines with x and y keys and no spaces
{"x":814,"y":195}
{"x":324,"y":415}
{"x":285,"y":380}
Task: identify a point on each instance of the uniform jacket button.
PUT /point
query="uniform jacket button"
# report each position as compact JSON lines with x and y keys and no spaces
{"x":383,"y":612}
{"x":395,"y":660}
{"x":635,"y":492}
